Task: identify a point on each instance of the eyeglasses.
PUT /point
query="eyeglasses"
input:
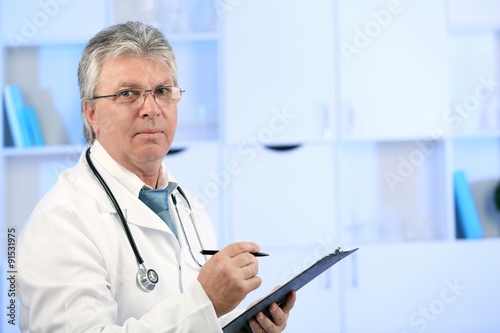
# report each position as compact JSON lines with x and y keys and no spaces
{"x":131,"y":97}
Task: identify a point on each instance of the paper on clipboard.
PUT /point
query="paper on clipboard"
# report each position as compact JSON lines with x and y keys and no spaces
{"x":240,"y":323}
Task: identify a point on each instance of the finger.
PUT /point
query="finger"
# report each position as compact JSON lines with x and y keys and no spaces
{"x":244,"y":259}
{"x":277,"y":314}
{"x":265,"y":323}
{"x":249,"y":271}
{"x":252,"y":283}
{"x":255,"y":326}
{"x":241,"y":247}
{"x":290,"y":302}
{"x":276,"y":288}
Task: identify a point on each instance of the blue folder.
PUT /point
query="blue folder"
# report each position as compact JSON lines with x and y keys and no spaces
{"x":13,"y":109}
{"x":33,"y":125}
{"x":466,"y":210}
{"x":240,"y":323}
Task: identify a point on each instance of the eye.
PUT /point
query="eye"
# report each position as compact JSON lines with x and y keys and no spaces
{"x":128,"y":94}
{"x":162,"y":90}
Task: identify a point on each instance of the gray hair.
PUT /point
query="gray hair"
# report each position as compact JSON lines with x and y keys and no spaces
{"x":132,"y":39}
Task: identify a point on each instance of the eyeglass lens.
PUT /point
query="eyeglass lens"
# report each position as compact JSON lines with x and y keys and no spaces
{"x":136,"y":96}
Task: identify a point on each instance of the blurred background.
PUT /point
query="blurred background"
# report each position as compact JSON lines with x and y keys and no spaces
{"x":305,"y":126}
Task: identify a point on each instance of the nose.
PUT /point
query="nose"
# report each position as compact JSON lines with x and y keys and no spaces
{"x":149,"y":107}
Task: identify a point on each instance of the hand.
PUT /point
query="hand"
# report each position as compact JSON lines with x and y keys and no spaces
{"x":261,"y":323}
{"x":230,"y":275}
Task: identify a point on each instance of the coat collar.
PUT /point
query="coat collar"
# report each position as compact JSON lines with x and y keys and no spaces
{"x":125,"y":186}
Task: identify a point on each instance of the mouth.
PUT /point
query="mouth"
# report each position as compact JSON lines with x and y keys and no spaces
{"x":150,"y":133}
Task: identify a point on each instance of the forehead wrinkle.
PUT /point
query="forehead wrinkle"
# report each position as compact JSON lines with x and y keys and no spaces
{"x":126,"y":80}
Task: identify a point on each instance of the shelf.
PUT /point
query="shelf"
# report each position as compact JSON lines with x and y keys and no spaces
{"x":423,"y":242}
{"x":69,"y":42}
{"x":476,"y":136}
{"x":175,"y":37}
{"x":192,"y":36}
{"x":61,"y":150}
{"x":388,"y":139}
{"x":49,"y":150}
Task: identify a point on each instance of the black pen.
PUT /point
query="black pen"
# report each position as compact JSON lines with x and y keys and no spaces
{"x":212,"y":252}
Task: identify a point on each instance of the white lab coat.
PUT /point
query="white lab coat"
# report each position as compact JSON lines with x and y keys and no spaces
{"x":77,"y":271}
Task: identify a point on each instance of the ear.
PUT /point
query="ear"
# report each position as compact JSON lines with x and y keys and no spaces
{"x":90,"y":113}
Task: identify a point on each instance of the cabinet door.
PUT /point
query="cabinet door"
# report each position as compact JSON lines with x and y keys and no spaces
{"x":281,"y":198}
{"x":278,"y":75}
{"x":38,"y":173}
{"x":36,"y":22}
{"x":474,"y":76}
{"x":195,"y":167}
{"x":432,"y":287}
{"x":485,"y":14}
{"x":198,"y":109}
{"x":394,"y":68}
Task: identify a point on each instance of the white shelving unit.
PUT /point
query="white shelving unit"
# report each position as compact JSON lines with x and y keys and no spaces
{"x":44,"y":61}
{"x":394,"y":145}
{"x":45,"y":66}
{"x":475,"y":98}
{"x":303,"y":148}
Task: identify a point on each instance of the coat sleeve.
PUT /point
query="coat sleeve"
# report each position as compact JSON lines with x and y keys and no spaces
{"x":64,"y":285}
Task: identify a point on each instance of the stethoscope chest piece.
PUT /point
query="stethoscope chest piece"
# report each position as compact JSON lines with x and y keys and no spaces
{"x":147,"y":278}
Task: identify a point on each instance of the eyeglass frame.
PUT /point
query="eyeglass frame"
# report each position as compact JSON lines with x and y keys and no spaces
{"x":144,"y":95}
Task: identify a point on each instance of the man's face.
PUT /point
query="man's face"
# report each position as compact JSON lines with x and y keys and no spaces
{"x":137,"y":136}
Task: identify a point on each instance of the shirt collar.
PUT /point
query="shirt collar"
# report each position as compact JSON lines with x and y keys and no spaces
{"x":126,"y":177}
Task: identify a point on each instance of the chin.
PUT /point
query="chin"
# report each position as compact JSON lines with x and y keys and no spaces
{"x":152,"y":152}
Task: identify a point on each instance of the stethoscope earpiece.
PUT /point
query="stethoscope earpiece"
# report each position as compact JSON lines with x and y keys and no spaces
{"x":147,"y":278}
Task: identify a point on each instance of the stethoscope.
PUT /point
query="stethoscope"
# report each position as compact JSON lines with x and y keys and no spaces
{"x":146,"y":278}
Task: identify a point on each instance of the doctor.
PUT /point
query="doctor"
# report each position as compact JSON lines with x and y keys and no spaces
{"x":77,"y":269}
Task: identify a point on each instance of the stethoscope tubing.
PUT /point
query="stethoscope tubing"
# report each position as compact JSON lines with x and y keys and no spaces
{"x":182,"y":225}
{"x":131,"y":240}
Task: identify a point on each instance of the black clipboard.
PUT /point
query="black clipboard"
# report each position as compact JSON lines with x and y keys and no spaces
{"x":240,"y":323}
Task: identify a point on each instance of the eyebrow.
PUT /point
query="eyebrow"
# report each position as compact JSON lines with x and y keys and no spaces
{"x":127,"y":84}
